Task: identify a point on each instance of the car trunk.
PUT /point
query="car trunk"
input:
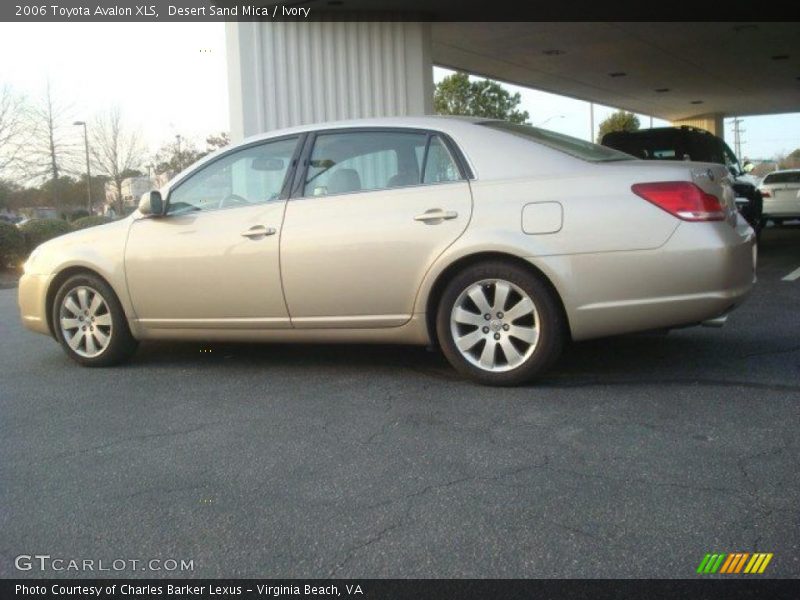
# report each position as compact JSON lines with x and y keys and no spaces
{"x":710,"y":177}
{"x":786,"y":194}
{"x":716,"y":179}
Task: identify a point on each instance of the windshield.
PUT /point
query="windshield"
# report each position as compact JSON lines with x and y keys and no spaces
{"x":672,"y":143}
{"x":783,"y":177}
{"x":563,"y":143}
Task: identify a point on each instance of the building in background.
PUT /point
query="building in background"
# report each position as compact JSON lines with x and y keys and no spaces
{"x":132,"y":190}
{"x":288,"y":73}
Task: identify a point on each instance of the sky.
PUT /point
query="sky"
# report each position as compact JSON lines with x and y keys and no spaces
{"x":167,"y":78}
{"x":170,"y":78}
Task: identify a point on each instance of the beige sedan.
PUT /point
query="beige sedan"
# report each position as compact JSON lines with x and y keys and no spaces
{"x":497,"y":242}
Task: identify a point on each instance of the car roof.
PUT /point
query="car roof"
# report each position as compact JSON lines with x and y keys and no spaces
{"x":781,"y":172}
{"x":488,"y":152}
{"x":441,"y":123}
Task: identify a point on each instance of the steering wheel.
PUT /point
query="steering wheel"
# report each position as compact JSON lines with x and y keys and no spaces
{"x":233,"y":200}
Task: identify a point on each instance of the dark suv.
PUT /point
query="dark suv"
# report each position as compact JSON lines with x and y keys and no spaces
{"x":690,"y":143}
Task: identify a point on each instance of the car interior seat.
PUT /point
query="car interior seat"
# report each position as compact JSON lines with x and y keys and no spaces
{"x":344,"y":181}
{"x":401,"y":179}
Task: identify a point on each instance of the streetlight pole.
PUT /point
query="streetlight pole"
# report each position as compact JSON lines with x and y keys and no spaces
{"x":88,"y":168}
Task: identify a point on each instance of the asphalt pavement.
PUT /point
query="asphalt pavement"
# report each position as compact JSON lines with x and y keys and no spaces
{"x":635,"y":457}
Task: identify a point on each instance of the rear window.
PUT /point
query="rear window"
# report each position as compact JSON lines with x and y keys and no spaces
{"x":783,"y":177}
{"x":563,"y":143}
{"x":671,"y":144}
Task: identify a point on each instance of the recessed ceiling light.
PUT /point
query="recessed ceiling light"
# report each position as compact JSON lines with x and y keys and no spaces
{"x":552,"y":52}
{"x":781,"y":57}
{"x":696,"y":102}
{"x":335,"y":3}
{"x":617,"y":74}
{"x":662,"y":90}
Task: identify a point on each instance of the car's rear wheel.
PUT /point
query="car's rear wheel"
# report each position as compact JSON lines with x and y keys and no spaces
{"x":90,"y":324}
{"x":500,"y":324}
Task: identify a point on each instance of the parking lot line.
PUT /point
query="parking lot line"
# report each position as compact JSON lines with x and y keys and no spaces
{"x":793,"y":275}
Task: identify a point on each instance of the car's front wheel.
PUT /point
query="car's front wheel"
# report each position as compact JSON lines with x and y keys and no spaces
{"x":500,"y":324}
{"x":90,"y":324}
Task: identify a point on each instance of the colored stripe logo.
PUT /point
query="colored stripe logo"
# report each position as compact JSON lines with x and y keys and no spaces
{"x":735,"y":563}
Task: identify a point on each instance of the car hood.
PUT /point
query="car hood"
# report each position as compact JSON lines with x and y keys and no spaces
{"x":104,"y":243}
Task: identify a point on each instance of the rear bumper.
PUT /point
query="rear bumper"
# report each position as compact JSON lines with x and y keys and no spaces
{"x":781,"y":208}
{"x":32,"y":299}
{"x":704,"y":271}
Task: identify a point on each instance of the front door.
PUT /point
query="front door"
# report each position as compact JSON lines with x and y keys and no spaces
{"x":212,"y":261}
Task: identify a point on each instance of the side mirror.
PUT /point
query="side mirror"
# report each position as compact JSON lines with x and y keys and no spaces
{"x":151,"y":203}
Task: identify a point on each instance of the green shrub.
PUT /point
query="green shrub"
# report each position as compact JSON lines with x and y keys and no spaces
{"x":38,"y":231}
{"x":12,"y":244}
{"x":77,"y":214}
{"x":91,"y":221}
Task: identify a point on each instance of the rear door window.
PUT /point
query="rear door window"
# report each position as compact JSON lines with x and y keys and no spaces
{"x":354,"y":161}
{"x":439,"y":166}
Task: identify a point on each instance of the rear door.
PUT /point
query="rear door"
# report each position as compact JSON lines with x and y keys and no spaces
{"x":370,"y":213}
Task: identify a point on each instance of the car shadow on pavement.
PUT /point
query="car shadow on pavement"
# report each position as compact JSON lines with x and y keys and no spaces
{"x":262,"y":355}
{"x":631,"y":357}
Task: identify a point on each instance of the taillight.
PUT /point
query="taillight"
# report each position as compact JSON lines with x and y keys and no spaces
{"x":682,"y":199}
{"x":765,"y":193}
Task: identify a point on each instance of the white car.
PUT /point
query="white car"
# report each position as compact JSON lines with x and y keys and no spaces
{"x":781,"y":193}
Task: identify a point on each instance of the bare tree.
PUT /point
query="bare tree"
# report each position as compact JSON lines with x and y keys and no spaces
{"x":116,"y":150}
{"x":13,"y":115}
{"x":790,"y":161}
{"x":50,"y":151}
{"x":175,"y":156}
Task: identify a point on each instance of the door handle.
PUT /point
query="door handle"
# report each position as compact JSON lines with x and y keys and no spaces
{"x":257,"y":231}
{"x":434,"y":216}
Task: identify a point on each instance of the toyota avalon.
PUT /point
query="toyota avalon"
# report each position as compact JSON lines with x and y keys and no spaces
{"x":496,"y":242}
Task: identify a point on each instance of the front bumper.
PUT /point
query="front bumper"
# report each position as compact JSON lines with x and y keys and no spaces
{"x":32,"y":298}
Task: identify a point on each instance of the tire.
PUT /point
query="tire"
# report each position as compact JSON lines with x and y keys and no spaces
{"x":90,"y":324}
{"x":505,"y":349}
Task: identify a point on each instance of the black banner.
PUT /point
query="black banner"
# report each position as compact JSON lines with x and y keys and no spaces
{"x":386,"y":10}
{"x":402,"y":589}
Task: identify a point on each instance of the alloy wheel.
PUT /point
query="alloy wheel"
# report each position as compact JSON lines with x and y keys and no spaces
{"x":495,"y":325}
{"x":85,"y":321}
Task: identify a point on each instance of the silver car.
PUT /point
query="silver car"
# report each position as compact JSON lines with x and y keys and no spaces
{"x":781,"y":193}
{"x":497,"y":242}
